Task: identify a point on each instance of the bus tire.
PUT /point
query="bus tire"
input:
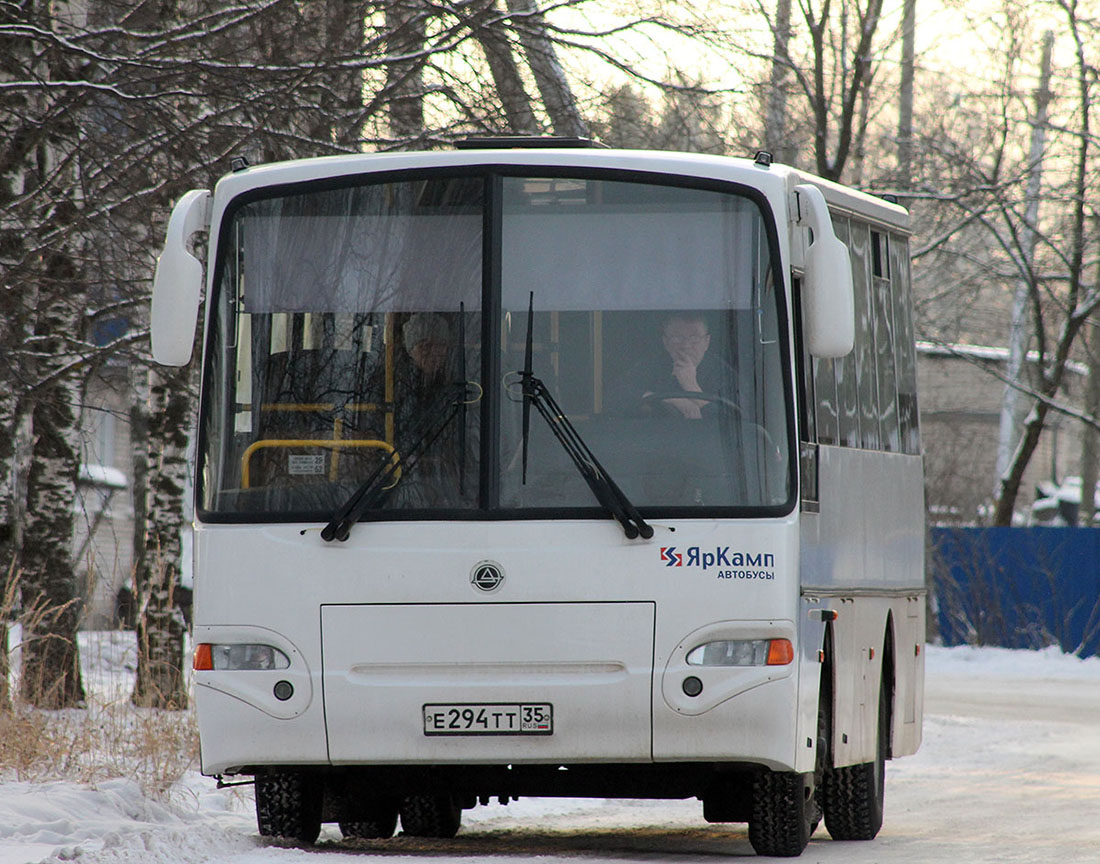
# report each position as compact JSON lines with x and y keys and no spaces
{"x":782,"y":809}
{"x":379,"y":823}
{"x":430,"y":816}
{"x":853,"y":797}
{"x":288,"y":805}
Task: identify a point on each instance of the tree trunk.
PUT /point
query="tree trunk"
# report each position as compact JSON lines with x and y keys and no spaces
{"x":139,"y":478}
{"x":1080,"y":303}
{"x":18,"y":143}
{"x":341,"y":99}
{"x":557,"y":95}
{"x":10,"y":325}
{"x":1090,"y":438}
{"x":160,"y":626}
{"x":404,"y":77}
{"x":502,"y":64}
{"x":905,"y":96}
{"x":51,"y":609}
{"x":1019,"y":333}
{"x":832,"y":149}
{"x":776,"y":138}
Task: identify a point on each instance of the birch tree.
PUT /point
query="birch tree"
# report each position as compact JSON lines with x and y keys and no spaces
{"x":405,"y":24}
{"x":44,"y":289}
{"x":518,"y":113}
{"x":1077,"y":298}
{"x":1029,"y":239}
{"x":833,"y":70}
{"x":542,"y":57}
{"x":776,"y":134}
{"x":51,"y":675}
{"x":17,"y":155}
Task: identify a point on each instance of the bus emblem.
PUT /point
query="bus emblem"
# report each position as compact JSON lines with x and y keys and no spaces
{"x":487,"y":576}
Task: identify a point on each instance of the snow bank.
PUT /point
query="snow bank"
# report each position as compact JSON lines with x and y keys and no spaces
{"x":64,"y":822}
{"x":1006,"y":663}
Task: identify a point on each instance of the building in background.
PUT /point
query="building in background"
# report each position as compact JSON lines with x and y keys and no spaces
{"x":960,"y":403}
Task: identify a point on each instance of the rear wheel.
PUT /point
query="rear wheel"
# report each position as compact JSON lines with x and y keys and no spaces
{"x":430,"y":816}
{"x":853,"y":797}
{"x":379,"y":822}
{"x":782,"y":812}
{"x":288,"y":805}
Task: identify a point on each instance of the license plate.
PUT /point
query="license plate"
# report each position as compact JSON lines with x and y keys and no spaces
{"x":489,"y":718}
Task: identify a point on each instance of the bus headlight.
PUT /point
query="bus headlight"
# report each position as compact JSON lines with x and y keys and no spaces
{"x":742,"y":652}
{"x":248,"y":656}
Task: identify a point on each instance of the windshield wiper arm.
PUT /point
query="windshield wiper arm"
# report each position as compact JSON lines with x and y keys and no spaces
{"x":376,"y":488}
{"x":605,"y":489}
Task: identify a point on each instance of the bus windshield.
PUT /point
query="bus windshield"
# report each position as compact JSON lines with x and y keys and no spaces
{"x":386,"y":322}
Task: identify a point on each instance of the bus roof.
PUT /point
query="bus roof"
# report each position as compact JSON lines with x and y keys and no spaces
{"x":771,"y":178}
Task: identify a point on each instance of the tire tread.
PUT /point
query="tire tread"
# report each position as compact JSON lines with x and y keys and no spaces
{"x":288,"y":806}
{"x":780,"y":826}
{"x":430,"y":816}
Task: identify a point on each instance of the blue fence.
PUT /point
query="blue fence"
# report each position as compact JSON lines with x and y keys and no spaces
{"x":1018,"y":587}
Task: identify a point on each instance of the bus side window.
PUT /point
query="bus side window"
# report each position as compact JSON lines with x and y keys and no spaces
{"x":905,"y":358}
{"x":825,"y":395}
{"x":859,"y":247}
{"x":885,"y":337}
{"x":847,"y":390}
{"x":808,"y":408}
{"x":818,"y":381}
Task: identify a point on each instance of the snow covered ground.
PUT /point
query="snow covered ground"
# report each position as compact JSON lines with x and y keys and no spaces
{"x":1009,"y":772}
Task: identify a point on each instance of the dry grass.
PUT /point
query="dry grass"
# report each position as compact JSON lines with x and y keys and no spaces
{"x":109,"y":737}
{"x":99,"y":742}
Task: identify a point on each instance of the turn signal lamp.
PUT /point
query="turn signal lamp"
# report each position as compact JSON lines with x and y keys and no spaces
{"x":743,"y":652}
{"x":217,"y":657}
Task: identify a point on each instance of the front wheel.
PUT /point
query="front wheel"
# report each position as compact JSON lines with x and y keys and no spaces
{"x":288,"y":805}
{"x":782,"y":813}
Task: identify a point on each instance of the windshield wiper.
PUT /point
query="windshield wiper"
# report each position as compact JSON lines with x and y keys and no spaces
{"x":377,"y":487}
{"x":441,"y":413}
{"x":605,"y":489}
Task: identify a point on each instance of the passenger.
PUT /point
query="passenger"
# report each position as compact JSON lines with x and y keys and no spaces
{"x":427,"y":338}
{"x":424,"y":394}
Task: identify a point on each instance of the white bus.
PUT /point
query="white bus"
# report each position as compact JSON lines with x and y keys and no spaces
{"x":540,"y":469}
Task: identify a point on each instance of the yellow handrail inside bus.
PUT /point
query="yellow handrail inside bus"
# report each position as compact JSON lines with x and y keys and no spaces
{"x":331,"y":444}
{"x":318,"y":407}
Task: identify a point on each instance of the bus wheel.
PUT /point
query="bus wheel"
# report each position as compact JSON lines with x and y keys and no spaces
{"x":782,"y":809}
{"x":430,"y":816}
{"x":380,"y":822}
{"x":288,"y":805}
{"x":853,"y":796}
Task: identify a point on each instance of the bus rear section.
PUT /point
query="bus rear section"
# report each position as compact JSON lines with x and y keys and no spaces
{"x":497,"y":492}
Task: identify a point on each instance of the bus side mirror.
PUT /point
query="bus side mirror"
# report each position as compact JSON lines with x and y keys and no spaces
{"x":177,"y":285}
{"x":828,"y":303}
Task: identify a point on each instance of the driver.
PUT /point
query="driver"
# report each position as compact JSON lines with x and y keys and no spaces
{"x":686,"y":339}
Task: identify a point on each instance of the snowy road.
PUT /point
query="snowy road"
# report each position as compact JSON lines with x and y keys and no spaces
{"x":1009,"y":772}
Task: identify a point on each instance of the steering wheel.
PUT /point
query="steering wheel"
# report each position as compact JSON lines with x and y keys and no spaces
{"x":704,"y":396}
{"x":715,"y":398}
